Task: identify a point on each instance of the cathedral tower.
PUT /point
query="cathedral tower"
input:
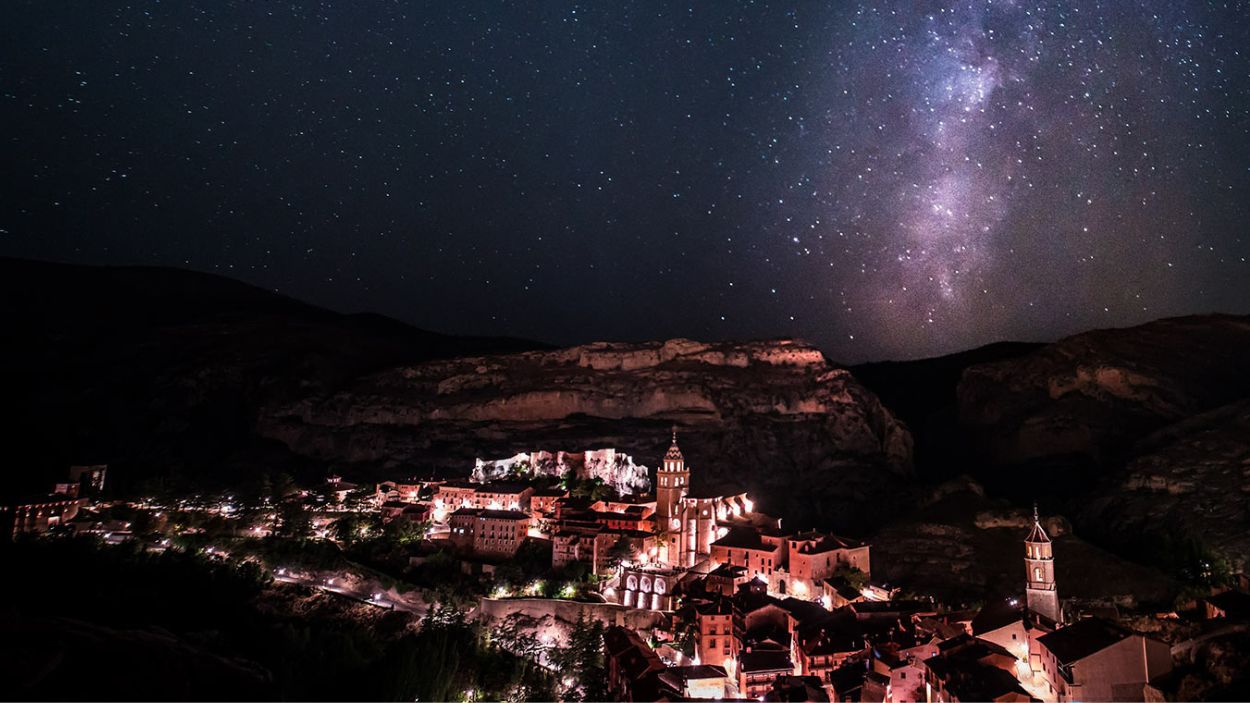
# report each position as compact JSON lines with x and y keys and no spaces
{"x":672,"y":485}
{"x":1039,"y":561}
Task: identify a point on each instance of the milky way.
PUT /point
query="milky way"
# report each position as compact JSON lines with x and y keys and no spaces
{"x":886,"y":179}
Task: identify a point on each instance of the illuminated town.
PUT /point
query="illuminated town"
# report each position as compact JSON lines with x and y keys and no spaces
{"x":546,"y":350}
{"x":695,"y":596}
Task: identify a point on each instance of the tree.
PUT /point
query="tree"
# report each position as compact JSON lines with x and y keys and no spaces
{"x":592,"y":488}
{"x":293,"y":520}
{"x":402,"y":532}
{"x":348,"y":529}
{"x":582,"y":660}
{"x":620,"y":552}
{"x":688,"y":637}
{"x":854,"y":577}
{"x":283,"y":486}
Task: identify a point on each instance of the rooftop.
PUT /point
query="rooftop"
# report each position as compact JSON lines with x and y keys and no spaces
{"x":728,"y":571}
{"x":502,"y":487}
{"x":720,"y":606}
{"x":797,"y":688}
{"x":742,"y":538}
{"x":842,"y":588}
{"x":973,"y":681}
{"x":633,"y":655}
{"x":492,"y":514}
{"x":1233,"y":603}
{"x":627,"y":517}
{"x":997,"y":614}
{"x":697,"y":672}
{"x":1079,"y":640}
{"x":890,"y":607}
{"x":760,"y":661}
{"x":1037,"y":534}
{"x":806,"y":612}
{"x":824,"y":542}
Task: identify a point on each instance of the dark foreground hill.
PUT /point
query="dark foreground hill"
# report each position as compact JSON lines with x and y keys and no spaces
{"x":161,"y":371}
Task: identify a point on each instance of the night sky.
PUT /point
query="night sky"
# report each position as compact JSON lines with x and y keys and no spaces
{"x":888,"y":180}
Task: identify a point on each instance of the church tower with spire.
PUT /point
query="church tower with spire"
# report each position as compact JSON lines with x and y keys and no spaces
{"x":1041,"y":596}
{"x":672,"y":485}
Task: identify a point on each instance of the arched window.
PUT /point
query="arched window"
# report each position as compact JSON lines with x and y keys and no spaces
{"x":1037,"y":573}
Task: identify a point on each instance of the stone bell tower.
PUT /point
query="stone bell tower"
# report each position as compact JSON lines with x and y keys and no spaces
{"x":672,"y":485}
{"x":1039,"y":562}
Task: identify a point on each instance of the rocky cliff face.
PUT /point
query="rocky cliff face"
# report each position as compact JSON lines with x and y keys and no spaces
{"x":1189,"y":479}
{"x":613,"y":468}
{"x":1142,"y":433}
{"x":1096,"y":393}
{"x":774,"y":417}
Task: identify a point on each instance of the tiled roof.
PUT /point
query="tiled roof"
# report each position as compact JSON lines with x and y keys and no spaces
{"x":997,"y":614}
{"x":1079,"y":640}
{"x":505,"y":515}
{"x":765,"y":660}
{"x":697,"y":672}
{"x":502,"y":487}
{"x":728,"y":571}
{"x":1234,"y":603}
{"x":742,"y":538}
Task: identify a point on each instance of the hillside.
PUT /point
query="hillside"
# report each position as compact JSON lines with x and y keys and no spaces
{"x":161,"y":371}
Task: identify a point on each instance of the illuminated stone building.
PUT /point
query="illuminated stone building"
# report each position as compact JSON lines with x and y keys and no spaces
{"x":1041,"y":596}
{"x":690,"y":522}
{"x":488,"y":532}
{"x":647,"y":587}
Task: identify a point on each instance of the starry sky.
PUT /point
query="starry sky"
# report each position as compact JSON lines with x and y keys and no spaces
{"x":885,"y":179}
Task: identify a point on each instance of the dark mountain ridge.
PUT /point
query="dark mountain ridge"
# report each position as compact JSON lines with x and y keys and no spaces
{"x":161,"y":371}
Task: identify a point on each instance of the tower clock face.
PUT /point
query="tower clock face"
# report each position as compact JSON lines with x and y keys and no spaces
{"x":675,"y":523}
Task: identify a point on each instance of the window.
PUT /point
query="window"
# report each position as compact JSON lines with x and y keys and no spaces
{"x":1037,"y":573}
{"x":712,"y":643}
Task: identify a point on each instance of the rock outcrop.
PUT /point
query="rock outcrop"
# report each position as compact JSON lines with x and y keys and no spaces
{"x":773,"y":417}
{"x":1190,"y":480}
{"x":1094,"y":394}
{"x":552,"y":620}
{"x":1143,"y":433}
{"x":615,"y":469}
